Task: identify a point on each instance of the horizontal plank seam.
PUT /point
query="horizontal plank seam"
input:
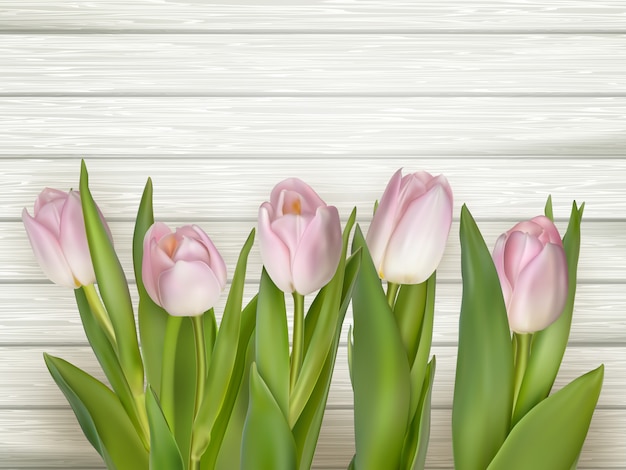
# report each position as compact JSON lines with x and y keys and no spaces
{"x":310,"y":31}
{"x":313,"y":95}
{"x":377,"y":155}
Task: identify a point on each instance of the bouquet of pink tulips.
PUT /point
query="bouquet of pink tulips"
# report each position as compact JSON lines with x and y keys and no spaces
{"x":194,"y":395}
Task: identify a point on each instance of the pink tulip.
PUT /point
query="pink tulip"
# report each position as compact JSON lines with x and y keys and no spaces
{"x":58,"y":238}
{"x":299,"y":237}
{"x":408,"y":233}
{"x":532,"y":268}
{"x":182,"y":271}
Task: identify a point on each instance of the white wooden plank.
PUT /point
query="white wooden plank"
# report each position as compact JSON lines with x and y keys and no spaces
{"x":297,"y":126}
{"x":602,"y":257}
{"x":326,"y":15}
{"x":52,"y":439}
{"x":26,"y":381}
{"x":279,"y":64}
{"x":232,"y":189}
{"x":30,"y":312}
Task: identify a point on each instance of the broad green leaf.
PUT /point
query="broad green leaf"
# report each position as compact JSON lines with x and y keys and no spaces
{"x":272,"y":341}
{"x":223,"y":358}
{"x":380,"y":372}
{"x":548,"y":209}
{"x":416,"y":442}
{"x":307,"y":428}
{"x":107,"y":358}
{"x":236,"y":404}
{"x":548,"y":346}
{"x":420,"y":363}
{"x":551,"y":435}
{"x":267,"y":440}
{"x":152,"y":318}
{"x":483,"y":391}
{"x":409,"y":313}
{"x":350,"y":353}
{"x":320,"y":327}
{"x":164,"y":453}
{"x":100,"y":415}
{"x":113,"y":287}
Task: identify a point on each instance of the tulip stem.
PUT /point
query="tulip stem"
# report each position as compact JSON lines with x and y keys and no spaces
{"x":392,"y":292}
{"x":201,"y":366}
{"x":298,"y":339}
{"x":522,"y":351}
{"x":102,"y":317}
{"x":168,"y":368}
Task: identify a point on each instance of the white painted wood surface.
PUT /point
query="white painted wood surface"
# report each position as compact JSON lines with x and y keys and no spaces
{"x":217,"y":101}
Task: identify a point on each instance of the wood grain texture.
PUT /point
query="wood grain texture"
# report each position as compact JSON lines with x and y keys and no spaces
{"x":52,"y":439}
{"x":46,"y":315}
{"x":231,"y":189}
{"x":326,"y":15}
{"x":313,"y":64}
{"x":602,"y":258}
{"x":355,"y":126}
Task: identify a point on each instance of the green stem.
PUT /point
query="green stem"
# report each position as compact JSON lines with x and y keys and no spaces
{"x":168,"y":368}
{"x":392,"y":291}
{"x":102,"y":317}
{"x":201,"y":373}
{"x":298,"y":339}
{"x":522,"y":351}
{"x":201,"y":366}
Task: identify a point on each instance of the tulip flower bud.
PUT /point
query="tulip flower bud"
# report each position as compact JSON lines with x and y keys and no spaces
{"x":532,"y":268}
{"x":182,"y":271}
{"x":299,"y":237}
{"x":408,"y":233}
{"x":58,"y":238}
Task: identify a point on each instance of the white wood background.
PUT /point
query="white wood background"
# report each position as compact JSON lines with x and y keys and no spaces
{"x":217,"y":101}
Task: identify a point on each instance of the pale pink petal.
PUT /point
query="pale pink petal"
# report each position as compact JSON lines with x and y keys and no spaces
{"x":49,"y":215}
{"x":418,"y":242}
{"x":520,"y":249}
{"x":154,"y":260}
{"x":274,"y":253}
{"x":290,"y":228}
{"x":550,"y":232}
{"x":47,"y":196}
{"x":413,"y":186}
{"x":382,"y":225}
{"x":48,"y":252}
{"x":217,"y":263}
{"x":309,"y":199}
{"x":318,"y":253}
{"x":188,"y":289}
{"x":73,"y":240}
{"x":540,"y":293}
{"x":190,"y":249}
{"x":498,"y":261}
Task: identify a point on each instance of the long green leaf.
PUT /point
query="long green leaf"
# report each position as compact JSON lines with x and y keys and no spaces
{"x":152,"y":318}
{"x":551,"y":435}
{"x":320,"y":327}
{"x":272,"y":341}
{"x":380,"y":371}
{"x":229,"y":456}
{"x":267,"y":440}
{"x":164,"y":453}
{"x":100,"y":414}
{"x":416,"y":442}
{"x":483,"y":391}
{"x":113,"y":287}
{"x":307,"y":428}
{"x":548,"y":345}
{"x":223,"y":358}
{"x":106,"y":357}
